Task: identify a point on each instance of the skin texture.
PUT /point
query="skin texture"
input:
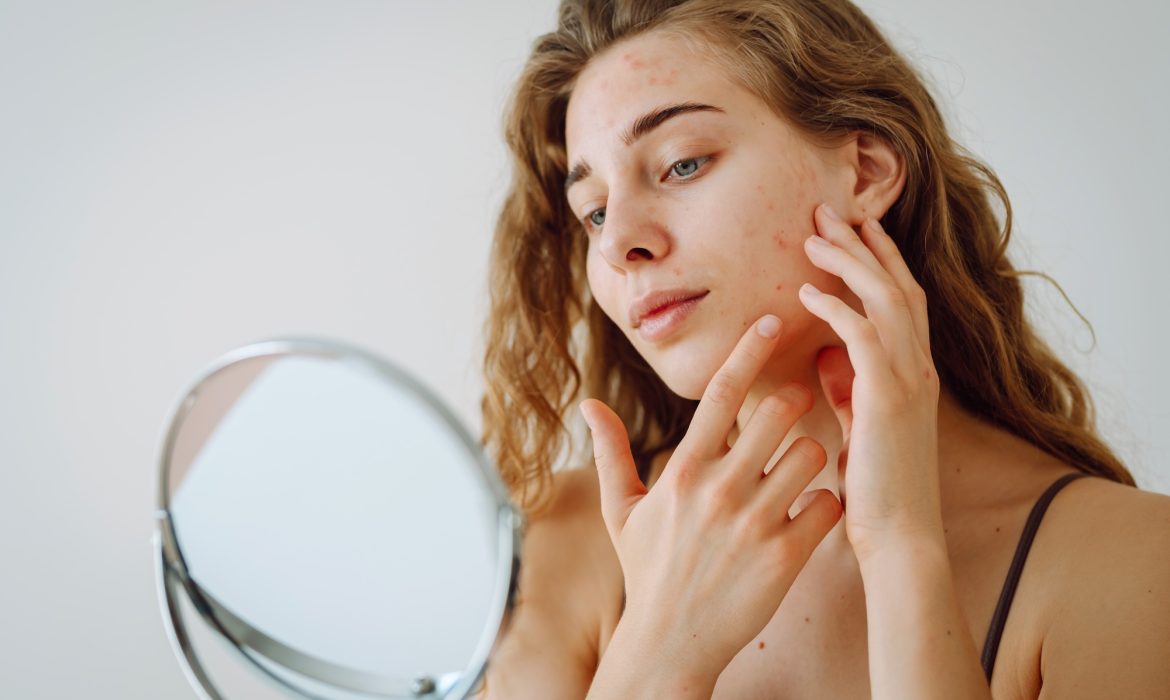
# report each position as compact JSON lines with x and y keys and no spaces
{"x":735,"y":226}
{"x":934,"y":497}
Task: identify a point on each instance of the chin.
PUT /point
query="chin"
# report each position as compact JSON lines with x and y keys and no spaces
{"x":686,"y":370}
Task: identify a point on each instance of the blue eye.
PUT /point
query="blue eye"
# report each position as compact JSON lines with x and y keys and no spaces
{"x":596,"y":217}
{"x":674,"y":168}
{"x":696,"y":163}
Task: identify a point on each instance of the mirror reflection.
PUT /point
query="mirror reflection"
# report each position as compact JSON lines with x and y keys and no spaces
{"x":331,"y":520}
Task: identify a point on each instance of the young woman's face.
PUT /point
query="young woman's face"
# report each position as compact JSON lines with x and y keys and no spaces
{"x":714,"y":200}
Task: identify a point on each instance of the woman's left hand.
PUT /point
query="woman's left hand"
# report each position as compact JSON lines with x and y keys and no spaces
{"x":883,"y":386}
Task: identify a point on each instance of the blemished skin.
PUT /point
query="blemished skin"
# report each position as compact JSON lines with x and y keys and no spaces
{"x":810,"y":357}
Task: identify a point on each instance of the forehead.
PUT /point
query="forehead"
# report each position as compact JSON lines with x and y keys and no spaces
{"x":634,"y":76}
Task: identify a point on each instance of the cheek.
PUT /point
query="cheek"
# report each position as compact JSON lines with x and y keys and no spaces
{"x":598,"y":288}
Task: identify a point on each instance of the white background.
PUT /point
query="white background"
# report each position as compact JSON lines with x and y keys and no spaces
{"x":180,"y":179}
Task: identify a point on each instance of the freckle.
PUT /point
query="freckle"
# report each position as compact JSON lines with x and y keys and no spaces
{"x":948,"y":633}
{"x":779,"y":287}
{"x":806,"y":619}
{"x":759,"y":188}
{"x":945,"y":531}
{"x":761,"y":645}
{"x":694,"y":635}
{"x":997,"y":529}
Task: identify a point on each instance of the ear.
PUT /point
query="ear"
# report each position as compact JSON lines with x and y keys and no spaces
{"x":876,"y":172}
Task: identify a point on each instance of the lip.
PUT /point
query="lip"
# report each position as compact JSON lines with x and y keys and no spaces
{"x":658,"y":313}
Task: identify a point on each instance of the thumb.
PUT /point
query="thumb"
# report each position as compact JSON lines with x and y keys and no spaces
{"x":837,"y":382}
{"x":621,"y":488}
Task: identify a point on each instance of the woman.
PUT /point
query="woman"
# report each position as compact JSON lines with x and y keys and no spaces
{"x":726,"y":226}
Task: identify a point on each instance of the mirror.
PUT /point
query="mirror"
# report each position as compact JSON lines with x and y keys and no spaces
{"x":326,"y":522}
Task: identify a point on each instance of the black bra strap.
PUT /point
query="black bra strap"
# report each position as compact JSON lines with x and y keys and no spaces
{"x":999,"y":619}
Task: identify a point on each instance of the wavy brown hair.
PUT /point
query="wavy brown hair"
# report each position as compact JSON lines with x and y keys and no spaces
{"x":825,"y":68}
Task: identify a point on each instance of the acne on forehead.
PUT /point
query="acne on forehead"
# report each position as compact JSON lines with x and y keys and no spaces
{"x":651,"y":68}
{"x":608,"y":76}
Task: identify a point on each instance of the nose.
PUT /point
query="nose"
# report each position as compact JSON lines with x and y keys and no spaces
{"x":632,"y":234}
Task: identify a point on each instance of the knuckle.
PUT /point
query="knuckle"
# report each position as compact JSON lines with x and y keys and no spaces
{"x":867,"y":331}
{"x":810,"y":450}
{"x":751,"y":528}
{"x":774,"y":408}
{"x":894,"y":296}
{"x":797,"y":394}
{"x":715,"y":506}
{"x":721,"y":389}
{"x":684,"y":475}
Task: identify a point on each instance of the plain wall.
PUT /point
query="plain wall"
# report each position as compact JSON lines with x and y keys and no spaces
{"x":180,"y":179}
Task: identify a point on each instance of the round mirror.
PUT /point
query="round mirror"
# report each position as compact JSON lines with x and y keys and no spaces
{"x":325,"y":521}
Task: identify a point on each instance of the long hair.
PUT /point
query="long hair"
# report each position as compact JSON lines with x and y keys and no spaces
{"x":824,"y":67}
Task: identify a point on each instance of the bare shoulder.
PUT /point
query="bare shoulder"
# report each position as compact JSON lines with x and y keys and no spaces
{"x":568,"y":569}
{"x":1108,"y":560}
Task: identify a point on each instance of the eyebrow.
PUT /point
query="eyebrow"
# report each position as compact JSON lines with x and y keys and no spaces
{"x":641,"y":126}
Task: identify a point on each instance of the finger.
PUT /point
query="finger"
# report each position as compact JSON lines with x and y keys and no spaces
{"x":840,"y":233}
{"x":617,"y":474}
{"x":819,"y":512}
{"x":766,"y":429}
{"x":842,"y":467}
{"x":717,"y":410}
{"x":800,"y":464}
{"x":837,"y":376}
{"x":873,"y":246}
{"x":886,"y":251}
{"x":867,"y":355}
{"x":886,"y":306}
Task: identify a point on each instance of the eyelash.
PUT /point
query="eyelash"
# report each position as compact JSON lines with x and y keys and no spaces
{"x":701,"y":160}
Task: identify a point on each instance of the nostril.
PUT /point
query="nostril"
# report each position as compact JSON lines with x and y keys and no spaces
{"x":639,"y":252}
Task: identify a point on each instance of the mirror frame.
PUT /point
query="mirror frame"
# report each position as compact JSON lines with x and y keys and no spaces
{"x":172,"y":576}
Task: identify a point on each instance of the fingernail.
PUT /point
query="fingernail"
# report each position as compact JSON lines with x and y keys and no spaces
{"x":581,"y":409}
{"x":831,"y":213}
{"x":769,"y":326}
{"x":809,"y":289}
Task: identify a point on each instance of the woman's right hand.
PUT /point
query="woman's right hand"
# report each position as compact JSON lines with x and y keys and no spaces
{"x":709,"y":554}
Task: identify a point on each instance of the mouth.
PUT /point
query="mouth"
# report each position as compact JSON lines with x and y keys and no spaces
{"x":666,"y":318}
{"x":654,"y":302}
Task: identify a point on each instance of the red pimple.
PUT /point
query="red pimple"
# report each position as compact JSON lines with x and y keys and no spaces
{"x":633,"y":60}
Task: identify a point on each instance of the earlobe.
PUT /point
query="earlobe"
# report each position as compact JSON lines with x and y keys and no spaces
{"x":880,"y":174}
